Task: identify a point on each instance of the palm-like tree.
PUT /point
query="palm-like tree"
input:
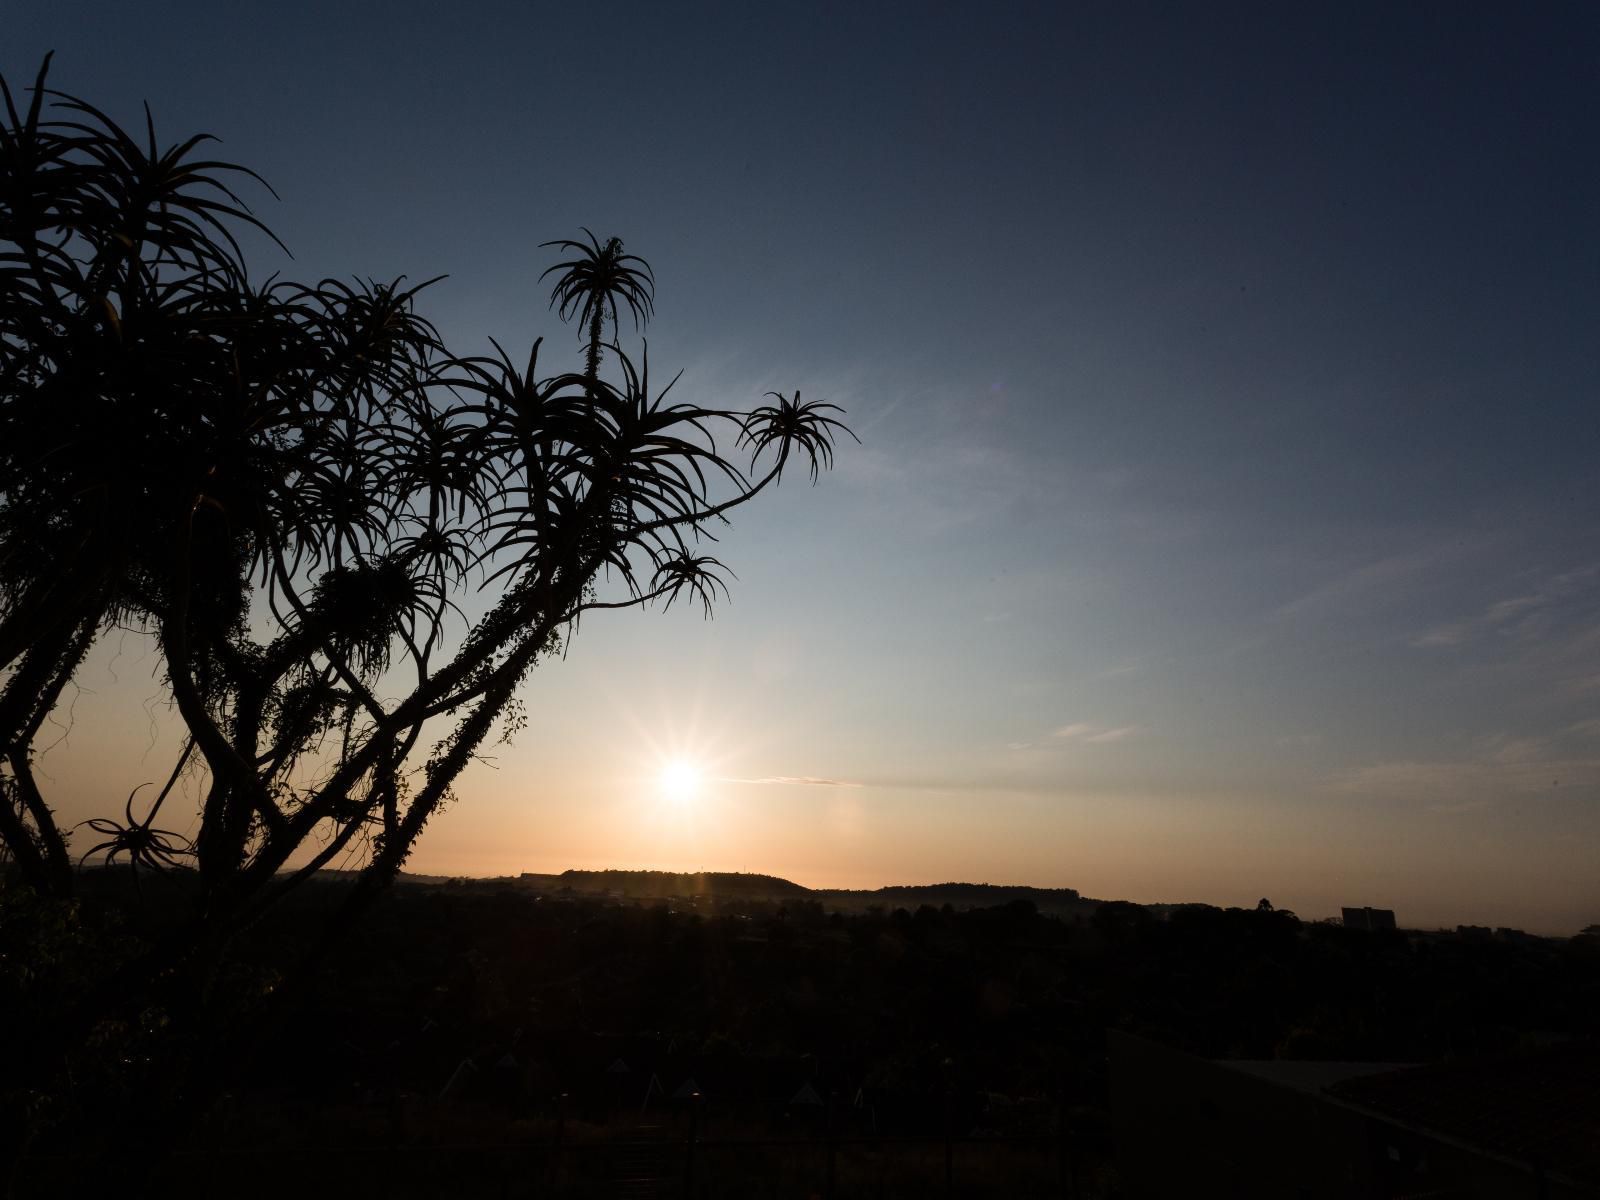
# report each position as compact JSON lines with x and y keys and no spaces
{"x":206,"y":458}
{"x":591,"y":284}
{"x":169,"y":433}
{"x":290,"y":486}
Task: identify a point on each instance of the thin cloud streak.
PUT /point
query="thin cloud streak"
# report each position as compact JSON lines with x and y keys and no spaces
{"x":800,"y":781}
{"x":1112,"y":735}
{"x":1471,"y":785}
{"x":1078,"y":729}
{"x":1092,"y":734}
{"x":1523,"y":614}
{"x":1378,"y":583}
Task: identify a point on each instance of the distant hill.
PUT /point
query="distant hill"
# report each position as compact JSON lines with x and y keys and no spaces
{"x":1060,"y":901}
{"x":731,"y":885}
{"x":662,"y":885}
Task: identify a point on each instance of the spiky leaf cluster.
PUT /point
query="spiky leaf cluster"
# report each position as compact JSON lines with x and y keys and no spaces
{"x":300,"y":492}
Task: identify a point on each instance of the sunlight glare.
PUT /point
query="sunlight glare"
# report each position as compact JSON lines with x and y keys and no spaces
{"x":680,"y":780}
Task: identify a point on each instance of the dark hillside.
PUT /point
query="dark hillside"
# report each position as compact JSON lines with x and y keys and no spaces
{"x":665,"y":885}
{"x":960,"y":896}
{"x":724,"y":886}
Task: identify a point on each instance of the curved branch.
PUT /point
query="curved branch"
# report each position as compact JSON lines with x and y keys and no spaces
{"x":351,"y":680}
{"x":221,"y":757}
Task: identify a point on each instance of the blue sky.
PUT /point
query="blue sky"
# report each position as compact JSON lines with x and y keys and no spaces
{"x":1225,"y":519}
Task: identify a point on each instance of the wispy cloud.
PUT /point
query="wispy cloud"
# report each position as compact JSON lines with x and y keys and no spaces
{"x":1508,"y":769}
{"x":947,"y":483}
{"x":1370,"y":585}
{"x":1132,"y":667}
{"x":1582,"y":685}
{"x":1504,"y":610}
{"x":1506,"y":750}
{"x":1113,"y":735}
{"x":1443,"y":635}
{"x":1585,"y":729}
{"x":1525,"y":615}
{"x":1083,"y":731}
{"x":800,"y":781}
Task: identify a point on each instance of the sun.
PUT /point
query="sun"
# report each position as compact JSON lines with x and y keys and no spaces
{"x":680,"y":780}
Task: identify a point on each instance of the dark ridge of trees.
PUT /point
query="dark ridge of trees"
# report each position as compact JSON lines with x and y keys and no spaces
{"x":666,"y":884}
{"x":732,"y":884}
{"x":962,"y":895}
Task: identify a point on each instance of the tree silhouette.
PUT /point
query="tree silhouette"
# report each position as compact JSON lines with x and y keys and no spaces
{"x":291,"y":488}
{"x":590,"y":285}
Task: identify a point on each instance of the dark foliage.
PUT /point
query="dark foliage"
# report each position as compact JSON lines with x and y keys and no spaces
{"x":996,"y":1015}
{"x":289,"y":488}
{"x":189,"y":453}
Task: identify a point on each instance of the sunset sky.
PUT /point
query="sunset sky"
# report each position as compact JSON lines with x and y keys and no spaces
{"x":1226,"y":522}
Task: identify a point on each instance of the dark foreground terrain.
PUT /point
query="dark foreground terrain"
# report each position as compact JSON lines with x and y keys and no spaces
{"x":563,"y":1036}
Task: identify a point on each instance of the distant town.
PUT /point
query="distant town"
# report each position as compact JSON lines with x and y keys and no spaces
{"x":704,"y":890}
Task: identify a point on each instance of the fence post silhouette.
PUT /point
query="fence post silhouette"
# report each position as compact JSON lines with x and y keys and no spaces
{"x":949,"y":1139}
{"x":827,"y":1133}
{"x":560,"y":1143}
{"x":688,"y":1159}
{"x":1069,"y":1185}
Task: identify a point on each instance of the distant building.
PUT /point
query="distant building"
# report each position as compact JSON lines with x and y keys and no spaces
{"x":1514,"y":1127}
{"x":1371,"y":919}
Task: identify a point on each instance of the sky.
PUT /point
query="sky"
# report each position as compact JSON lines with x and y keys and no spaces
{"x":1225,"y":522}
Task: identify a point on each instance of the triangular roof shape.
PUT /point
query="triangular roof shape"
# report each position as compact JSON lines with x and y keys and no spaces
{"x":653,"y":1088}
{"x":464,"y":1071}
{"x":617,"y":1067}
{"x":686,"y":1089}
{"x":806,"y":1095}
{"x":1536,"y":1107}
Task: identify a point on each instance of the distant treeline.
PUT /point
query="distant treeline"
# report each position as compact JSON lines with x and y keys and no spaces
{"x":665,"y":885}
{"x":731,"y":885}
{"x":957,"y":896}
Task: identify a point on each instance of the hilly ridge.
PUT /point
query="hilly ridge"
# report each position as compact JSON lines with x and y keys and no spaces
{"x":738,"y":885}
